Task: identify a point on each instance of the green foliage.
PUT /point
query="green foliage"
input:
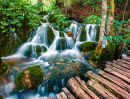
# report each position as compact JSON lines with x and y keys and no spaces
{"x":55,"y":27}
{"x":35,"y":76}
{"x":83,"y":34}
{"x":93,"y":19}
{"x":87,"y":46}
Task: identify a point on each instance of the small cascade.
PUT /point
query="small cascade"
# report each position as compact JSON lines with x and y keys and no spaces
{"x":91,"y":32}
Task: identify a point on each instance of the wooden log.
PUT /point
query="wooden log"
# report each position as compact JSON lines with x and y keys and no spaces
{"x":117,"y":74}
{"x":118,"y":70}
{"x":124,"y":61}
{"x":59,"y":96}
{"x":85,"y":88}
{"x":114,"y":87}
{"x":121,"y":64}
{"x":116,"y":80}
{"x":101,"y":90}
{"x":77,"y":91}
{"x":119,"y":67}
{"x":68,"y":94}
{"x":64,"y":95}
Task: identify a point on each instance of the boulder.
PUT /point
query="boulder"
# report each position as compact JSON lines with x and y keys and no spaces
{"x":38,"y":50}
{"x":61,"y":34}
{"x":61,"y":44}
{"x":29,"y":51}
{"x":83,"y":34}
{"x":29,"y":78}
{"x":50,"y":35}
{"x":70,"y":34}
{"x":128,"y":53}
{"x":87,"y":46}
{"x":1,"y":97}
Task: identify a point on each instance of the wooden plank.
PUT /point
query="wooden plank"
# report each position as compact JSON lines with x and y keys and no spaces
{"x":68,"y":94}
{"x":59,"y":96}
{"x":118,"y":70}
{"x":120,"y":67}
{"x":77,"y":91}
{"x":114,"y":87}
{"x":116,"y":80}
{"x":85,"y":88}
{"x":121,"y":64}
{"x":101,"y":90}
{"x":124,"y":61}
{"x":126,"y":58}
{"x":117,"y":74}
{"x":64,"y":95}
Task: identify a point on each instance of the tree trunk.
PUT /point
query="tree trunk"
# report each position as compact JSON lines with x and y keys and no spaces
{"x":1,"y":66}
{"x":102,"y":29}
{"x":57,"y":2}
{"x":110,"y":48}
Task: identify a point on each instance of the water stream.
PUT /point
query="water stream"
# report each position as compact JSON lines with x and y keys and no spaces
{"x":58,"y":65}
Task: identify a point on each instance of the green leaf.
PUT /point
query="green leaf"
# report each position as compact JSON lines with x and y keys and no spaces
{"x":96,"y":57}
{"x":109,"y":38}
{"x":11,"y":4}
{"x":4,"y":30}
{"x":13,"y":29}
{"x":19,"y":24}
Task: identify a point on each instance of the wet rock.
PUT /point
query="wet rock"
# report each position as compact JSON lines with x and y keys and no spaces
{"x":87,"y":46}
{"x":29,"y":51}
{"x":128,"y":53}
{"x":29,"y":78}
{"x":70,"y":34}
{"x":62,"y":44}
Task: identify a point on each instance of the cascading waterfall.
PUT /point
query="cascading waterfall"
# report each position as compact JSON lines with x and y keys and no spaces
{"x":59,"y":49}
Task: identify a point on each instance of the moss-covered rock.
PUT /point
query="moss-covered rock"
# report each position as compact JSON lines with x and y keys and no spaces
{"x":29,"y":51}
{"x":44,"y":49}
{"x":1,"y":97}
{"x":55,"y":27}
{"x":87,"y":46}
{"x":69,"y":33}
{"x":43,"y":20}
{"x":38,"y":50}
{"x":83,"y":34}
{"x":61,"y":34}
{"x":62,"y":44}
{"x":98,"y":32}
{"x":3,"y":70}
{"x":29,"y":78}
{"x":50,"y":35}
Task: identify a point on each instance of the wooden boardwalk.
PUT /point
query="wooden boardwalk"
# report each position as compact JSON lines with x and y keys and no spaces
{"x":112,"y":83}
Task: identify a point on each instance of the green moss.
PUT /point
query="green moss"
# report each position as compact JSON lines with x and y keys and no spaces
{"x":29,"y":51}
{"x":35,"y":76}
{"x":44,"y":48}
{"x":1,"y":97}
{"x":87,"y":46}
{"x":50,"y":35}
{"x":55,"y":27}
{"x":83,"y":34}
{"x":43,"y":13}
{"x":38,"y":50}
{"x":62,"y":44}
{"x":98,"y":32}
{"x":61,"y":34}
{"x":43,"y":20}
{"x":4,"y":69}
